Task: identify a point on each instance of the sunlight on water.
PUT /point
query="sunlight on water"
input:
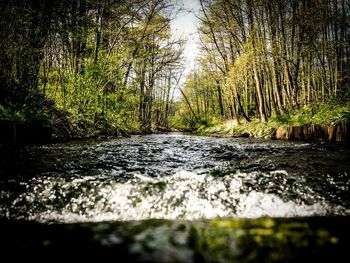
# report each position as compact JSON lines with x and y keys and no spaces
{"x":173,"y":176}
{"x":184,"y":195}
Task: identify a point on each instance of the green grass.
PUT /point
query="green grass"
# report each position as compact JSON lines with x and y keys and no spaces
{"x":234,"y":129}
{"x":322,"y":113}
{"x":318,"y":114}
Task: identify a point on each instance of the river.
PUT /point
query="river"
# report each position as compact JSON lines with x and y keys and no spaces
{"x":173,"y":176}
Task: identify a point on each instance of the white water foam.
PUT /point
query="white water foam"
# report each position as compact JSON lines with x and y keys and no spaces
{"x":184,"y":195}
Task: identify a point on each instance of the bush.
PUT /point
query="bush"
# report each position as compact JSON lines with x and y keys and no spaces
{"x":316,"y":113}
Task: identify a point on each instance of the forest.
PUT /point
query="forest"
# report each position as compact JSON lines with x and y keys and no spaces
{"x":88,"y":66}
{"x":101,"y":121}
{"x":282,"y":62}
{"x":93,"y":67}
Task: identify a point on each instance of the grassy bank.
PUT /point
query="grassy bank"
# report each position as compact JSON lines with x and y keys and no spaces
{"x":313,"y":114}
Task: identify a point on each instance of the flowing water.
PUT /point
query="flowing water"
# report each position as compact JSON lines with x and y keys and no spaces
{"x":173,"y":176}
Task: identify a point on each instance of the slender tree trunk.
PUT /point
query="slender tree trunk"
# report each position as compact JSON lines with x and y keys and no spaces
{"x":221,"y":106}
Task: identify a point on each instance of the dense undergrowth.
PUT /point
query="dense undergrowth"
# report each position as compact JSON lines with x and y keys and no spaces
{"x":313,"y":114}
{"x":68,"y":124}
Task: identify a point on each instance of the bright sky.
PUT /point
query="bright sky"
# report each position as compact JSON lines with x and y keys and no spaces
{"x":185,"y":24}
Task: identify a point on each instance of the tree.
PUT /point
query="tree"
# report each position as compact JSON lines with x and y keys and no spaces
{"x":273,"y":56}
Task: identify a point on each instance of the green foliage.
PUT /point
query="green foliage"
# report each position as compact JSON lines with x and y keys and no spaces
{"x":265,"y":71}
{"x":96,"y":100}
{"x":316,"y":113}
{"x":95,"y":67}
{"x":230,"y":128}
{"x":11,"y":115}
{"x":331,"y":114}
{"x":41,"y":112}
{"x":258,"y":129}
{"x":205,"y":123}
{"x":319,"y":114}
{"x":260,"y":240}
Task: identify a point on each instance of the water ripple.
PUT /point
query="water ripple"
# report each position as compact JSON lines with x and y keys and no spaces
{"x":173,"y":177}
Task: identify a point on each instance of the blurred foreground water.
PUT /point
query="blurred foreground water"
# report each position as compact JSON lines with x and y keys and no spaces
{"x":106,"y":195}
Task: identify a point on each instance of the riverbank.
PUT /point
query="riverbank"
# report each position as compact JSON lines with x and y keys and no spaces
{"x":338,"y":132}
{"x":12,"y":133}
{"x":311,"y":123}
{"x":15,"y":132}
